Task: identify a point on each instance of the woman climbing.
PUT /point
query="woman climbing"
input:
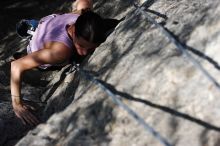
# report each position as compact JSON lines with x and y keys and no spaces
{"x":57,"y":39}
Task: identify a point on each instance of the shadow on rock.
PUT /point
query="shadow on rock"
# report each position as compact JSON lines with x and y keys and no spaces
{"x":96,"y":121}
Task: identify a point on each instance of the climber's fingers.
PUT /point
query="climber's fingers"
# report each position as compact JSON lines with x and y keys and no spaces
{"x":29,"y":117}
{"x":25,"y":115}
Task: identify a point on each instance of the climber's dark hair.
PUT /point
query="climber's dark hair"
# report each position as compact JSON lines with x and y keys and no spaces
{"x":90,"y":27}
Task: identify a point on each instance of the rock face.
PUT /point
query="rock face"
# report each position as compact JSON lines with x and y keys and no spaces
{"x":148,"y":73}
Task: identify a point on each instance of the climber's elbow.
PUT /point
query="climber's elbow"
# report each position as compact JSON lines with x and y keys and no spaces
{"x":16,"y":68}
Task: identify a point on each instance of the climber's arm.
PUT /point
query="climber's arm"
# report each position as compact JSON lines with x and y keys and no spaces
{"x":18,"y":67}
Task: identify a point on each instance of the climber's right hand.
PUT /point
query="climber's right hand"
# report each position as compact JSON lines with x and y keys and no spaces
{"x":22,"y":111}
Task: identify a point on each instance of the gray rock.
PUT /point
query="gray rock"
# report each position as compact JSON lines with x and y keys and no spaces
{"x":140,"y":65}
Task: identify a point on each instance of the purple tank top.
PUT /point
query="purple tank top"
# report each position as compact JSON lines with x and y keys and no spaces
{"x":52,"y":28}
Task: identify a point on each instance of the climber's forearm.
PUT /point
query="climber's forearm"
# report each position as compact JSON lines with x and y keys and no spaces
{"x":15,"y":83}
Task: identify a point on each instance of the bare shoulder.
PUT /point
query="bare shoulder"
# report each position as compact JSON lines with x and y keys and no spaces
{"x":58,"y":49}
{"x":52,"y":53}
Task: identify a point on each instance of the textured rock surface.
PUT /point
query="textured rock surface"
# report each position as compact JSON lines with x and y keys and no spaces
{"x":138,"y":63}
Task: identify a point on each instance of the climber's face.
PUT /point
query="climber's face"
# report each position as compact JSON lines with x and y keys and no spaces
{"x":82,"y":46}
